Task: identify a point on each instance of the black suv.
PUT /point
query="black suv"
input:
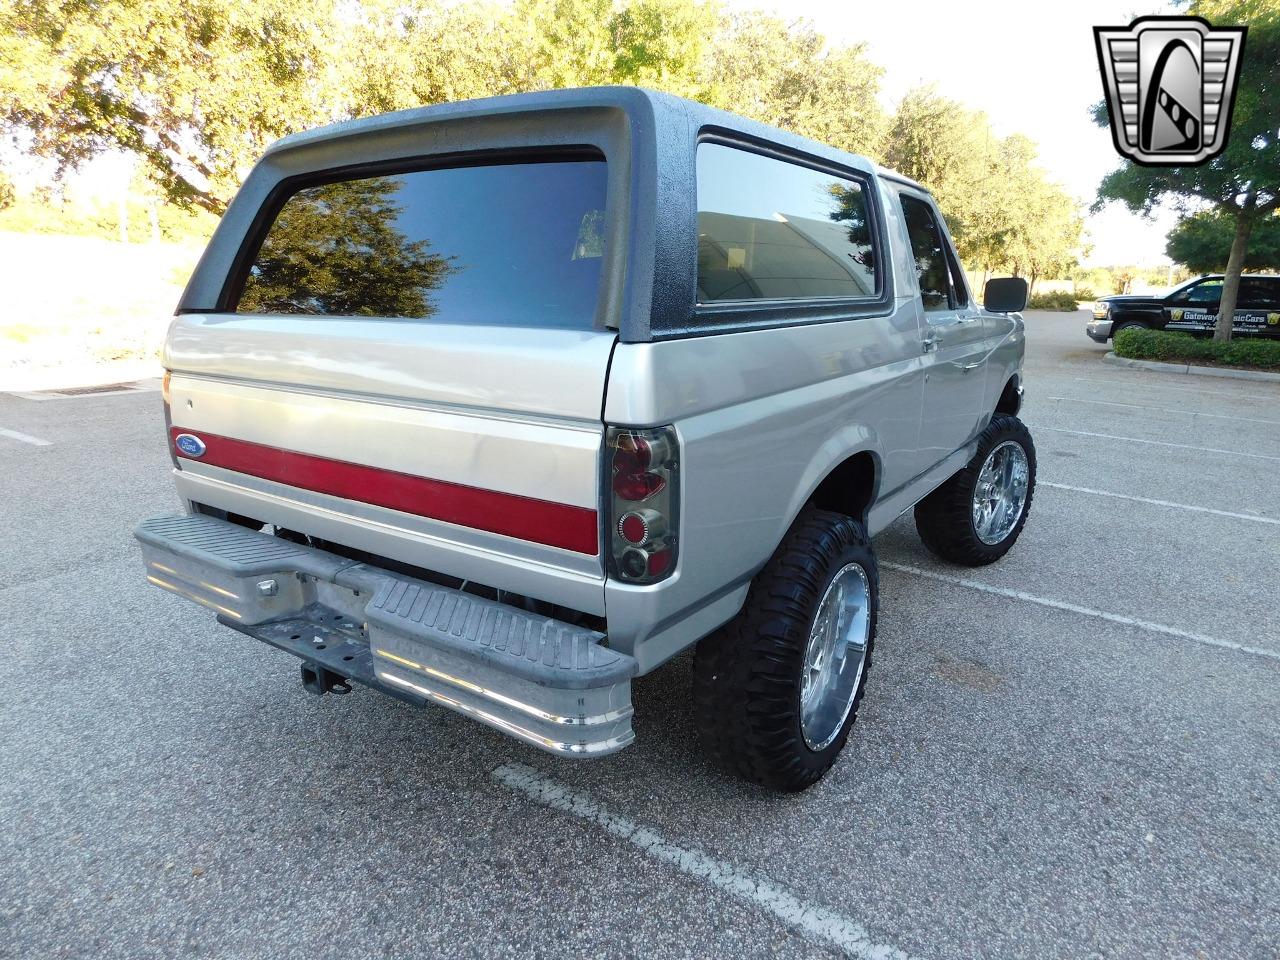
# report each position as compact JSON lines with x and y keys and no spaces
{"x":1192,"y":308}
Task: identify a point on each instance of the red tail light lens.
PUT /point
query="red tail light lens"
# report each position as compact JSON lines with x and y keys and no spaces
{"x":643,"y":493}
{"x":633,"y":458}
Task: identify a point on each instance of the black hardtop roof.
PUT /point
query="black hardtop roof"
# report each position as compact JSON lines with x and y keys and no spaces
{"x":665,"y":110}
{"x":650,"y":270}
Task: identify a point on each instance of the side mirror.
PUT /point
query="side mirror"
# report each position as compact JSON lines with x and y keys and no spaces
{"x":1005,"y":295}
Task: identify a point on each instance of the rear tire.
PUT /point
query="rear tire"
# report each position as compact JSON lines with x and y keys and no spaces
{"x":966,"y":520}
{"x":763,"y":705}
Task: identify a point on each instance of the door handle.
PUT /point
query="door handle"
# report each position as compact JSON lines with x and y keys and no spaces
{"x":967,"y":319}
{"x":929,"y":343}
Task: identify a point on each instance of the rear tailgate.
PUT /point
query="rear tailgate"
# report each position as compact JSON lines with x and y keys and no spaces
{"x":417,"y":442}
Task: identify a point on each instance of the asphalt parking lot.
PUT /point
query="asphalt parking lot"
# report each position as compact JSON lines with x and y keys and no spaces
{"x":1072,"y":753}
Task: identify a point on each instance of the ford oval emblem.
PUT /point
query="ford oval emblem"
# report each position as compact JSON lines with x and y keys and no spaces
{"x":189,"y":444}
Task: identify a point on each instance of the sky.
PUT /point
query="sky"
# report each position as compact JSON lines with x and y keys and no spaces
{"x":1031,"y":66}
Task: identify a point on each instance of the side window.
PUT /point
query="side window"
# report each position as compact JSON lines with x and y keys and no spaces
{"x":1250,"y":297}
{"x":1259,"y":293}
{"x":770,"y":229}
{"x":933,"y":266}
{"x":1270,"y":294}
{"x":1209,"y":292}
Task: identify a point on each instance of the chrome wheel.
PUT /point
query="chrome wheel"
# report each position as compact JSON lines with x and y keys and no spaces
{"x":1001,"y":493}
{"x":835,"y":656}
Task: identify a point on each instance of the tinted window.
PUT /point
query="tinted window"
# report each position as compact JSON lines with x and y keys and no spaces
{"x":1208,"y":292}
{"x":930,"y":253}
{"x":769,"y":229}
{"x":517,"y":243}
{"x":1259,"y":293}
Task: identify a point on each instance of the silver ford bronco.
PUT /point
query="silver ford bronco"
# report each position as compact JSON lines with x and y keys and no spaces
{"x":498,"y":405}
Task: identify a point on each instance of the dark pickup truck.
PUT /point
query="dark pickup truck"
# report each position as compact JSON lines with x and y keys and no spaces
{"x":1192,"y":308}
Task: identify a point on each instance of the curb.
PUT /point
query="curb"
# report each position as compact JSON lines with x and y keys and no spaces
{"x":1228,"y":373}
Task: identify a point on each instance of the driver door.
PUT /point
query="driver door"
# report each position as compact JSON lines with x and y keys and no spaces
{"x":954,"y":343}
{"x":1194,"y":308}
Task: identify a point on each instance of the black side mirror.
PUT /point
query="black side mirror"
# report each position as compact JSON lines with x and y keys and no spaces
{"x":1005,"y":294}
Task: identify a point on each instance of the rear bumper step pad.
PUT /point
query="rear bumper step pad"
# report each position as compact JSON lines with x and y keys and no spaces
{"x":544,"y":681}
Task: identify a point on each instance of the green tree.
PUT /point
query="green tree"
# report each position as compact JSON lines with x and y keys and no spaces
{"x":1000,"y":207}
{"x":786,"y":75}
{"x":664,"y":44}
{"x":1202,"y":243}
{"x":949,"y":148}
{"x":1243,"y":183}
{"x":196,"y":88}
{"x":336,"y":249}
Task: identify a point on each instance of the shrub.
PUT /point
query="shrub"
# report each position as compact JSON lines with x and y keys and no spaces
{"x":1138,"y":344}
{"x":1062,"y":300}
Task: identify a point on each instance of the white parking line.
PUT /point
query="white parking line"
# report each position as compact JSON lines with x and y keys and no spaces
{"x":1162,"y":443}
{"x":1085,"y":611}
{"x":1159,"y":503}
{"x":25,"y":438}
{"x":1143,"y":406}
{"x":813,"y":920}
{"x":1224,"y":393}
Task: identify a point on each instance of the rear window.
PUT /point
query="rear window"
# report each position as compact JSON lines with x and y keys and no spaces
{"x":511,"y":243}
{"x":769,"y":229}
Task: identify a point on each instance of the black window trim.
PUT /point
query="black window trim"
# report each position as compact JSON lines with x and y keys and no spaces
{"x":286,"y":189}
{"x":715,"y":316}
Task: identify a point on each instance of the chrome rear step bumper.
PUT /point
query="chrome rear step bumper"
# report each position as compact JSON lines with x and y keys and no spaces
{"x":549,"y":683}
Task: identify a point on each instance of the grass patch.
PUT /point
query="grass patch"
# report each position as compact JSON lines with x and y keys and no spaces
{"x":1062,"y":300}
{"x":1246,"y":353}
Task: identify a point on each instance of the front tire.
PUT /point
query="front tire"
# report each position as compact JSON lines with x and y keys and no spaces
{"x":777,"y":689}
{"x":977,"y":515}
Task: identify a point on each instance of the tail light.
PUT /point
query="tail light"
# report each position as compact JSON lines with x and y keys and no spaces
{"x":643,"y":496}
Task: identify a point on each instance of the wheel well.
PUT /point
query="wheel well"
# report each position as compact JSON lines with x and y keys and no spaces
{"x":849,"y":488}
{"x":1010,"y":399}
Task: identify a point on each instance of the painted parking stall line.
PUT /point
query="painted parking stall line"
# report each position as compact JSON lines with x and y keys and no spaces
{"x":24,"y":438}
{"x":815,"y":922}
{"x":1144,"y":406}
{"x":1221,"y":394}
{"x":1159,"y":503}
{"x":1162,"y":443}
{"x":1063,"y":605}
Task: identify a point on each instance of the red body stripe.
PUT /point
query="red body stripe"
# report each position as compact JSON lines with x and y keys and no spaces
{"x":526,"y":518}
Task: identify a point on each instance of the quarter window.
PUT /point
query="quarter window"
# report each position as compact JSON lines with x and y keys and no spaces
{"x":769,"y":229}
{"x":510,"y":243}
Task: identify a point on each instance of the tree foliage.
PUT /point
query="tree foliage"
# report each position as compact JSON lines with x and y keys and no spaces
{"x":195,"y":88}
{"x":1202,"y":243}
{"x":1243,"y":183}
{"x":1001,"y":208}
{"x":198,"y":88}
{"x":784,"y":74}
